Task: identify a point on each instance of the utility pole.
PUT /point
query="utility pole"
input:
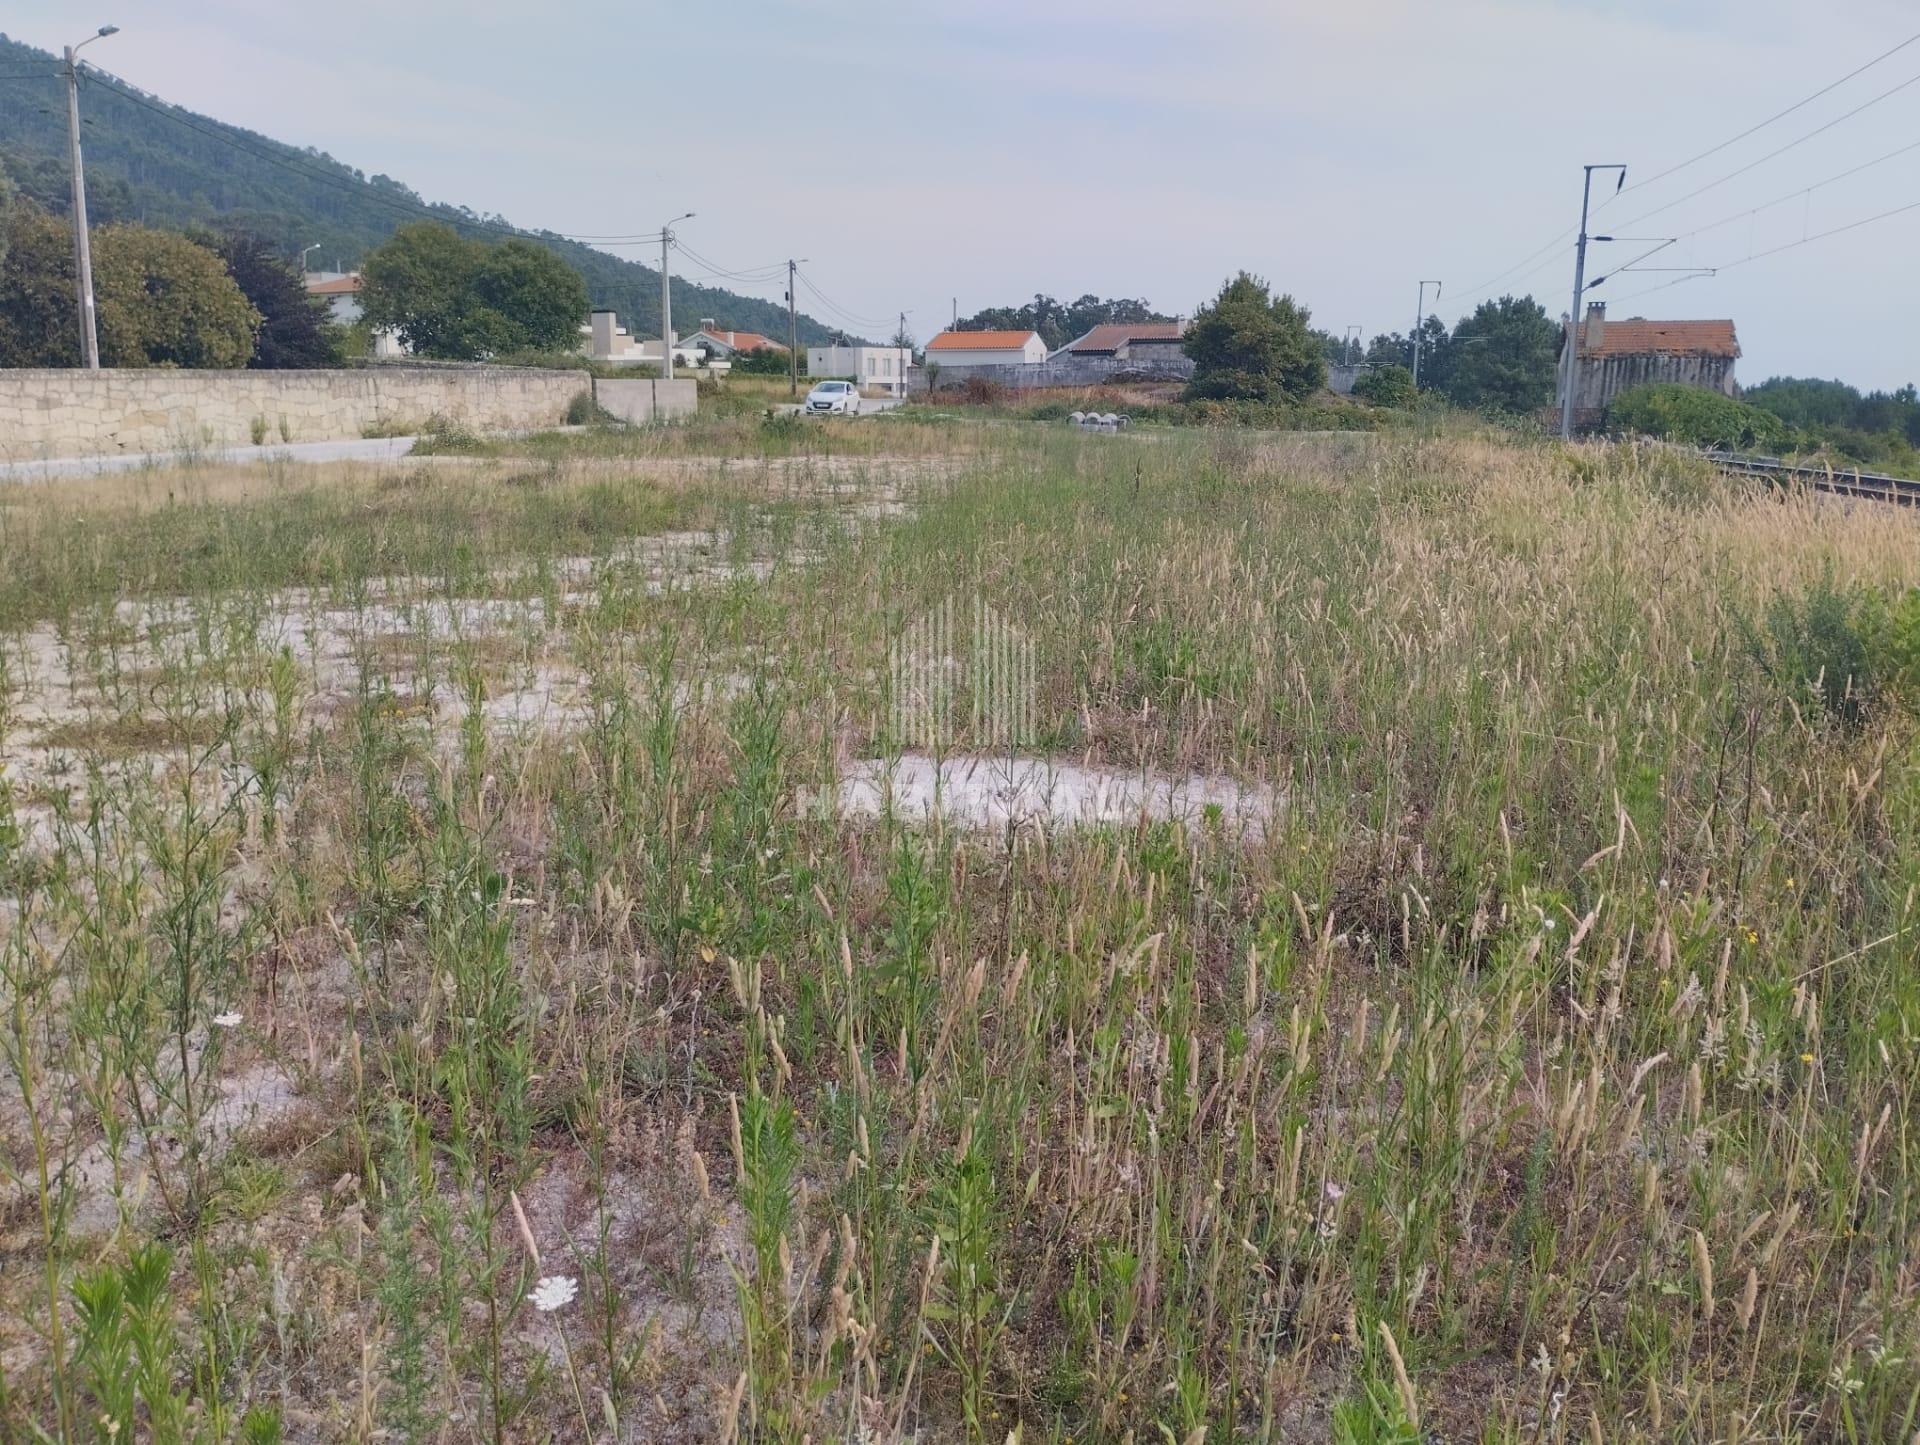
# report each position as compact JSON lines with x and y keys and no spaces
{"x":82,"y":248}
{"x":666,"y":294}
{"x":793,"y":336}
{"x":1571,"y":380}
{"x":1419,"y":317}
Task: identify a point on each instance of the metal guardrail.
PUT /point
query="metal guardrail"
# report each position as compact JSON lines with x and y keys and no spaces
{"x":1846,"y":482}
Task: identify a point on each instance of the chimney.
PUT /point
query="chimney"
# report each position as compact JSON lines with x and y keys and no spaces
{"x":1596,"y":327}
{"x":604,"y":324}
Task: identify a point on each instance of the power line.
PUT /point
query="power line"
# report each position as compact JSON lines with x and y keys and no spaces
{"x":764,"y":273}
{"x":1776,"y":250}
{"x":1565,"y":236}
{"x":1797,"y":194}
{"x":851,"y":316}
{"x":1777,"y":115}
{"x":1801,"y":140}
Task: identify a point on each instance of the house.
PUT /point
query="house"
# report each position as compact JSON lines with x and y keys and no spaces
{"x":987,"y":348}
{"x":1613,"y":356}
{"x":603,"y":338}
{"x":714,"y":344}
{"x":885,"y":367}
{"x":1130,"y":341}
{"x":341,"y":291}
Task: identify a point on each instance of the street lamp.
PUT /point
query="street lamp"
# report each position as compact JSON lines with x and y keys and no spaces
{"x":666,"y":294}
{"x":82,"y":251}
{"x":303,"y":256}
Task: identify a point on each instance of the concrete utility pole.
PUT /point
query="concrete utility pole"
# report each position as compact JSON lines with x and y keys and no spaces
{"x":666,"y":294}
{"x":82,"y":248}
{"x":1420,"y":316}
{"x":793,"y":335}
{"x":1571,"y":379}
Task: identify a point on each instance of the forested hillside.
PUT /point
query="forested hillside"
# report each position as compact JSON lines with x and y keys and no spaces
{"x":161,"y":165}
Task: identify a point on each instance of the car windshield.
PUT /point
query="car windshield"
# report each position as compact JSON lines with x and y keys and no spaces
{"x":831,"y":386}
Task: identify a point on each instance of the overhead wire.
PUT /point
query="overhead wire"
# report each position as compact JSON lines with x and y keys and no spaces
{"x":1707,"y":272}
{"x":1567,"y":237}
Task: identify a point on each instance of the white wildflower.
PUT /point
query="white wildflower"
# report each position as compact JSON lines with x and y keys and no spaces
{"x":227,"y":1021}
{"x":1336,"y":1192}
{"x":554,"y":1292}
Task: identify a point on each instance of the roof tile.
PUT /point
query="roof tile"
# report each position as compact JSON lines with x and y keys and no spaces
{"x":1639,"y":337}
{"x":980,"y":340}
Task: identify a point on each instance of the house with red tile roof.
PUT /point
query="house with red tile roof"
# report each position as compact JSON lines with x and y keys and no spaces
{"x":1615,"y":356}
{"x":987,"y":348}
{"x":725,"y":345}
{"x":1129,"y":340}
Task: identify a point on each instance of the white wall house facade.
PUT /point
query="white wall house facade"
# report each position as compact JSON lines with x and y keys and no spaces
{"x":987,"y":348}
{"x":341,"y":291}
{"x":603,"y":338}
{"x":877,"y":367}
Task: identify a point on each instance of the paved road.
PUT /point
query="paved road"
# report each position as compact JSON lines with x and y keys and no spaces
{"x":868,"y":405}
{"x":371,"y":449}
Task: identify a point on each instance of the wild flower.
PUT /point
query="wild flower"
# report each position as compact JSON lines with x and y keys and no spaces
{"x":556,"y":1291}
{"x":227,"y":1020}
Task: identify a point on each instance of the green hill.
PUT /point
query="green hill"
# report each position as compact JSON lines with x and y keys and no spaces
{"x":161,"y":165}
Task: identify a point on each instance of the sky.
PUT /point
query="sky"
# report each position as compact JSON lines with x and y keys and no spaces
{"x":917,"y":154}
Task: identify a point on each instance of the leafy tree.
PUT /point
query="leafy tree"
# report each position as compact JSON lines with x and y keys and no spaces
{"x":416,"y":285}
{"x":1389,"y":386}
{"x":522,"y":297}
{"x":1502,"y":358}
{"x":765,"y":361}
{"x":457,"y":299}
{"x":39,"y":323}
{"x":1249,"y":344}
{"x":163,"y":301}
{"x":295,"y":330}
{"x":1838,"y":414}
{"x":1694,"y":415}
{"x":1059,"y":323}
{"x":1393,"y":349}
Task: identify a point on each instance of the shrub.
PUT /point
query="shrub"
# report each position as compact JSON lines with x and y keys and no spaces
{"x":1249,"y":345}
{"x":1390,"y":386}
{"x":1850,"y":648}
{"x":583,"y":410}
{"x":1695,"y":416}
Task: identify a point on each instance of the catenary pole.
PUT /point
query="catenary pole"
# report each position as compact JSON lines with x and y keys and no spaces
{"x":1570,"y":381}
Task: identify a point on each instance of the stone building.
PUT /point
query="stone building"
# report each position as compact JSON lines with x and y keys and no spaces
{"x":1613,"y":356}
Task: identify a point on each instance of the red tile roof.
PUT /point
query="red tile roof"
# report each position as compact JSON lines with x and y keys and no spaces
{"x":980,"y":340}
{"x":1112,"y":335}
{"x":1639,"y":337}
{"x":740,"y":340}
{"x":338,"y":286}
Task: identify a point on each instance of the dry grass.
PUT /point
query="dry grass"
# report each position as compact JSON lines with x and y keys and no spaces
{"x":1545,"y":1072}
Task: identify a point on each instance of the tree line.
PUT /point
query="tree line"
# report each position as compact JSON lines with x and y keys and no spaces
{"x":231,"y":299}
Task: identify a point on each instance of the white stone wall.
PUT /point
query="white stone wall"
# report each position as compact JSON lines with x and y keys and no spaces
{"x":70,"y":413}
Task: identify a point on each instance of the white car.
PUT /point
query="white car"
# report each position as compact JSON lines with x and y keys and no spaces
{"x":833,"y":396}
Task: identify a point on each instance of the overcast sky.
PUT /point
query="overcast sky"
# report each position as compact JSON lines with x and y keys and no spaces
{"x":989,"y":149}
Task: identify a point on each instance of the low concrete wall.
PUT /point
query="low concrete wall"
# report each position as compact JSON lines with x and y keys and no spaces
{"x":1063,"y":371}
{"x":62,"y":413}
{"x":646,"y":399}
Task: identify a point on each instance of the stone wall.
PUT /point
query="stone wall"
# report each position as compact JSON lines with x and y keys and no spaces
{"x":70,"y":413}
{"x":645,"y":399}
{"x":1063,"y":371}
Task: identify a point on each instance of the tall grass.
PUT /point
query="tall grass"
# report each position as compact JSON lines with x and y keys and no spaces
{"x":1544,"y":1071}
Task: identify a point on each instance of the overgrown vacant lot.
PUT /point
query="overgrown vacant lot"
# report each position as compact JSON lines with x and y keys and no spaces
{"x":474,"y":967}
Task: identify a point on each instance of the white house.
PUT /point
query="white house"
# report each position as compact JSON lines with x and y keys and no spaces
{"x":883,"y":367}
{"x":603,"y":338}
{"x":987,"y":348}
{"x":341,"y":291}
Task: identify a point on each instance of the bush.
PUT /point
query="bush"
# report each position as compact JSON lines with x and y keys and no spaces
{"x":1695,"y":416}
{"x":1850,"y":649}
{"x":1249,"y":345}
{"x":764,"y":361}
{"x":1390,"y":386}
{"x":583,"y":410}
